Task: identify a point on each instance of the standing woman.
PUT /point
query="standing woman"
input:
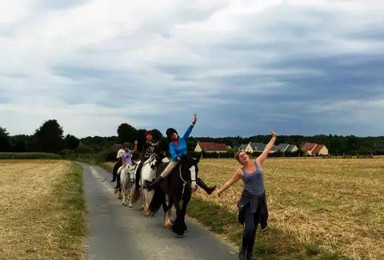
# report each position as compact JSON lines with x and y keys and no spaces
{"x":252,"y":205}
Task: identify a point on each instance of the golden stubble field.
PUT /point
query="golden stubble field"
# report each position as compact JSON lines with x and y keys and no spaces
{"x":337,"y":204}
{"x":34,"y":217}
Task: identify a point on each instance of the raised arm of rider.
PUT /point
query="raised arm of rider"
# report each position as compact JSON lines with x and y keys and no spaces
{"x":189,"y":129}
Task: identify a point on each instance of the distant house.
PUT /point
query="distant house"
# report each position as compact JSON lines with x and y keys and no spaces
{"x":259,"y":147}
{"x":242,"y":147}
{"x":211,"y":147}
{"x":314,"y":149}
{"x":379,"y":147}
{"x":254,"y":147}
{"x":292,"y":148}
{"x":286,"y":148}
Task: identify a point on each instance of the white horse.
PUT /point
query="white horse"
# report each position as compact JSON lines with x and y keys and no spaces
{"x":127,"y":178}
{"x":148,"y":172}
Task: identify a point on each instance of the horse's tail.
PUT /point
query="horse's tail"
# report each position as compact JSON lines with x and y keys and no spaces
{"x":135,"y":195}
{"x":157,"y":200}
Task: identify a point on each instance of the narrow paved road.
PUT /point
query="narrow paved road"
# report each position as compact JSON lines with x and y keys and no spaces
{"x":117,"y":232}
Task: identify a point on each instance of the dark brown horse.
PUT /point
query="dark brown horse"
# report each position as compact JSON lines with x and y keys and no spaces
{"x":177,"y":186}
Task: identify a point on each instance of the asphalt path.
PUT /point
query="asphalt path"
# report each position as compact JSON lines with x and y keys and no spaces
{"x":118,"y":232}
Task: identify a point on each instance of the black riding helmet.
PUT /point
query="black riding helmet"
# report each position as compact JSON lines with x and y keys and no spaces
{"x":170,"y":131}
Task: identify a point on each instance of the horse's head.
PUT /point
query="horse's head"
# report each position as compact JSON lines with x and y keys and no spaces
{"x":190,"y":170}
{"x":156,"y":159}
{"x":131,"y":168}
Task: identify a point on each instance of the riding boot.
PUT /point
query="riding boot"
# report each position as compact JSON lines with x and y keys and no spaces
{"x":154,"y":184}
{"x":113,"y":175}
{"x":205,"y":187}
{"x":114,"y":171}
{"x":118,"y":182}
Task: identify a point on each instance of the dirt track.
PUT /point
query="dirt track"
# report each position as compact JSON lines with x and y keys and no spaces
{"x":117,"y":232}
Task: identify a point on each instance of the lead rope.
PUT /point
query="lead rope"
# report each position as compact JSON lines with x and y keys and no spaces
{"x":184,"y":182}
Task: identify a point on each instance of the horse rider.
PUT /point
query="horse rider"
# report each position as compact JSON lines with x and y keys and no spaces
{"x":126,"y":158}
{"x":177,"y":149}
{"x":118,"y":163}
{"x":149,"y":147}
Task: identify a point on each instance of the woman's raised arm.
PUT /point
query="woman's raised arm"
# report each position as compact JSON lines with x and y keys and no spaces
{"x":264,"y":155}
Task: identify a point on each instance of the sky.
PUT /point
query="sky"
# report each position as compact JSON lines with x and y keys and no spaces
{"x":245,"y":67}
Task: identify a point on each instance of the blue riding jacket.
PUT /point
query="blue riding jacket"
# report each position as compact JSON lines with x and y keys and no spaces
{"x":180,"y":149}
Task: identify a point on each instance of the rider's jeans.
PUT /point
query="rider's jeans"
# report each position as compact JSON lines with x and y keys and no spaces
{"x":168,"y":169}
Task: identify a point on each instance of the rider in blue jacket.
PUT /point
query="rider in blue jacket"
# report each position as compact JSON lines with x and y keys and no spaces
{"x":178,"y":149}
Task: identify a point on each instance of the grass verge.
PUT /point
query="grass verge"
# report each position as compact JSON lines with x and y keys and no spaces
{"x":269,"y":242}
{"x":74,"y":227}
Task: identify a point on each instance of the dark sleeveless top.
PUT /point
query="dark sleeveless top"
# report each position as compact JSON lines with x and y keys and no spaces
{"x":254,"y":182}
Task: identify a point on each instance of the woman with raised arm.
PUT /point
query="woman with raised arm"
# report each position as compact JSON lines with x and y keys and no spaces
{"x":252,"y":205}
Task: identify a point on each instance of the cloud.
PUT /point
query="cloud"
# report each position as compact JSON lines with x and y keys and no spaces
{"x":245,"y":66}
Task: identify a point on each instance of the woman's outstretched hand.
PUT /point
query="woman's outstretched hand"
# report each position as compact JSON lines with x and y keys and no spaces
{"x":194,"y":118}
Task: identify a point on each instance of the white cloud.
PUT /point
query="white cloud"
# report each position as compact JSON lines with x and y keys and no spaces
{"x":156,"y":58}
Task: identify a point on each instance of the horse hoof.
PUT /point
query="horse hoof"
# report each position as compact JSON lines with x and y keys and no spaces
{"x":130,"y":205}
{"x":168,"y":225}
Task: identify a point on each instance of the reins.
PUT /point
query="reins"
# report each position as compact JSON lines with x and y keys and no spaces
{"x":182,"y":179}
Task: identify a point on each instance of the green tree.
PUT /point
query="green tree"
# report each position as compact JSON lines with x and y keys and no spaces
{"x":71,"y":142}
{"x":4,"y":140}
{"x":126,"y":133}
{"x":21,"y":143}
{"x":49,"y":137}
{"x":157,"y":135}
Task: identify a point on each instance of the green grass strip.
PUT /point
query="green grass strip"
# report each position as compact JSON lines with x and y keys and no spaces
{"x":74,"y":225}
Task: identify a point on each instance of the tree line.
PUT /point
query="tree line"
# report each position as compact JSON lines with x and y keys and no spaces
{"x":49,"y":138}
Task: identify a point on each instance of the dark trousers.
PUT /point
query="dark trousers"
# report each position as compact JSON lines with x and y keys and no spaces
{"x":251,"y":221}
{"x":114,"y":172}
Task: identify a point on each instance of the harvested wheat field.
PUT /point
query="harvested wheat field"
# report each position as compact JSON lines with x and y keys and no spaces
{"x":315,"y":205}
{"x":42,"y":210}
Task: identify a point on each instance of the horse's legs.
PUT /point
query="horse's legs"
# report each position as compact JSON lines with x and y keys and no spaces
{"x":177,"y":226}
{"x":132,"y":191}
{"x":142,"y":199}
{"x":123,"y":186}
{"x":167,"y":214}
{"x":146,"y":203}
{"x":186,"y":199}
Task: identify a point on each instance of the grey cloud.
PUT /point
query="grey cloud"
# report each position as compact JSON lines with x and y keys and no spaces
{"x":60,"y":4}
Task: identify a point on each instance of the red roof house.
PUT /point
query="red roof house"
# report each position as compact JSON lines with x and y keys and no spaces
{"x":314,"y":149}
{"x":210,"y":147}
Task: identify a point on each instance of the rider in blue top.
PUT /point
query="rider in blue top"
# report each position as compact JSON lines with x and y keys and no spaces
{"x":178,"y":146}
{"x":178,"y":149}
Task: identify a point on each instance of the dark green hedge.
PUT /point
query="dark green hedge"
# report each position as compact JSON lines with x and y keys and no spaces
{"x":29,"y":156}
